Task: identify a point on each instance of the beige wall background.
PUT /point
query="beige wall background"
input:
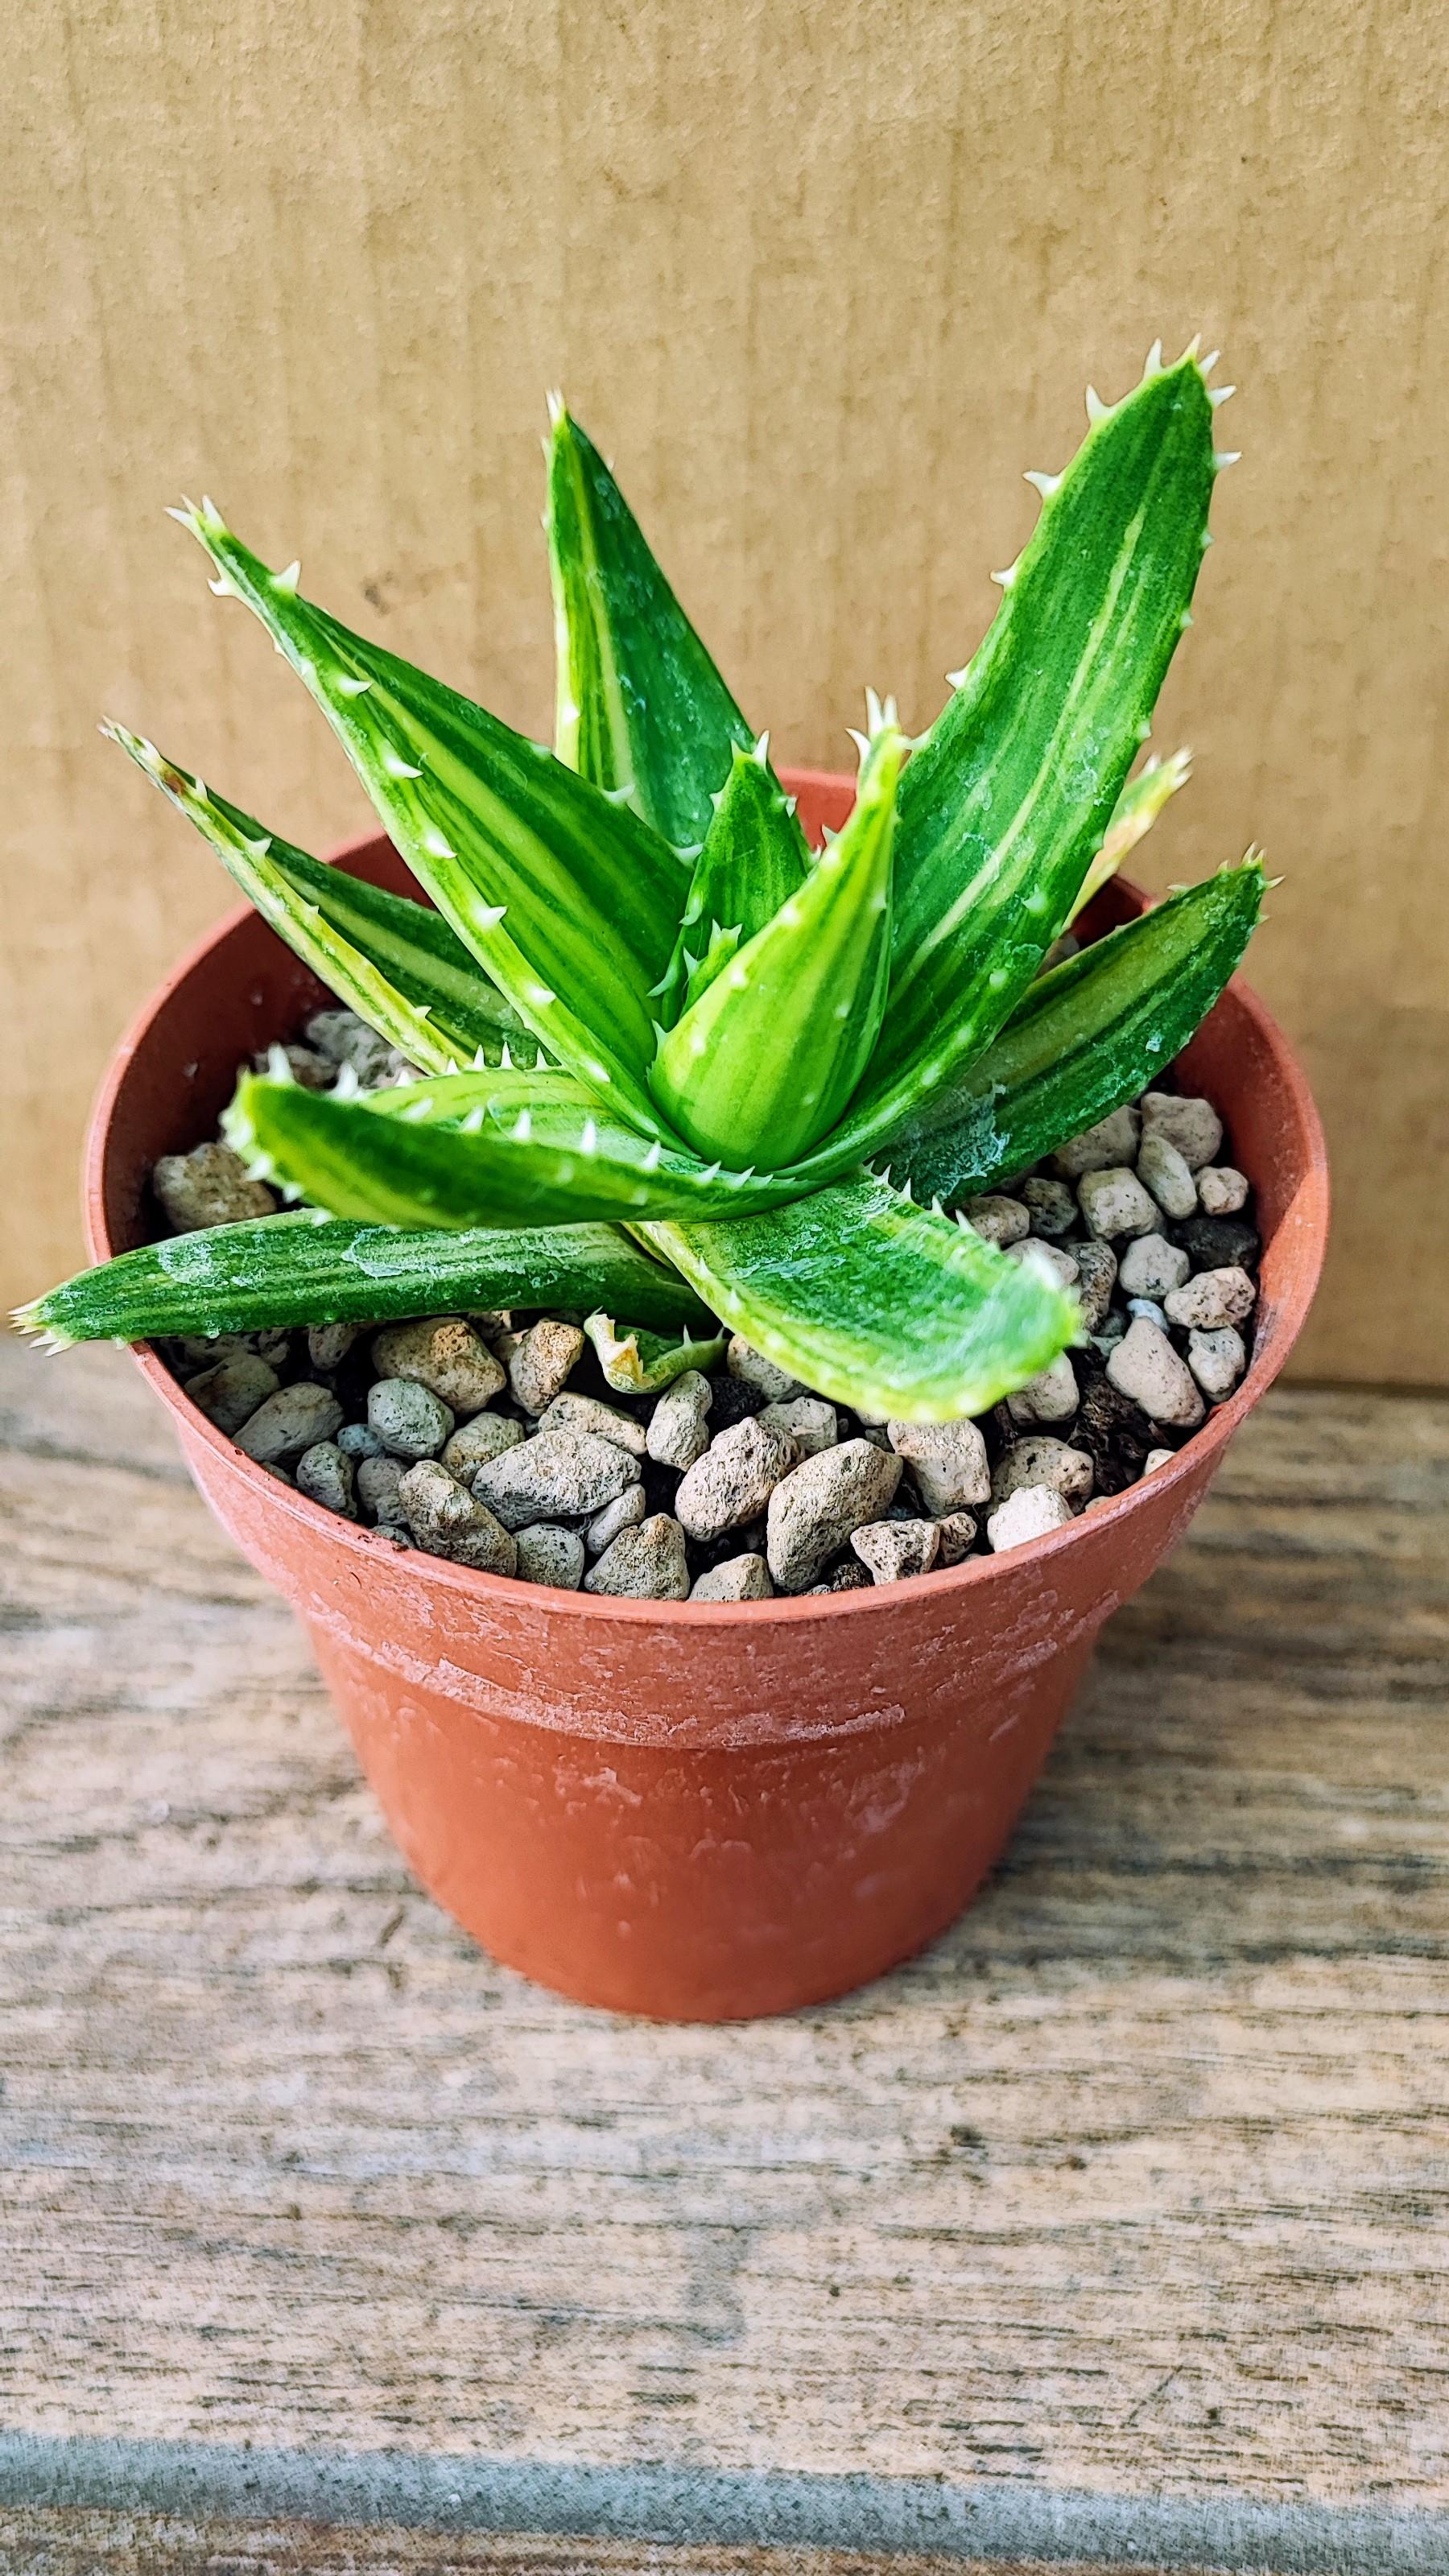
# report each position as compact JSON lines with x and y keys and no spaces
{"x":823,"y":280}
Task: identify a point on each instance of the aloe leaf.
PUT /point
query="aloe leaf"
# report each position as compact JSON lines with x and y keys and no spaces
{"x":636,"y":1362}
{"x":436,"y":1010}
{"x":1090,"y":1035}
{"x":412,"y":945}
{"x":569,"y":902}
{"x":1004,"y":804}
{"x":299,"y":1269}
{"x":526,"y":1150}
{"x":752,"y":861}
{"x":1135,"y":812}
{"x":877,"y":1302}
{"x":642,"y":709}
{"x":764,"y":1062}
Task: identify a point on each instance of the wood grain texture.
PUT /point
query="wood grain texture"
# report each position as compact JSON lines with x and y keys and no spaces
{"x":1135,"y":2184}
{"x":823,"y":283}
{"x":42,"y":2543}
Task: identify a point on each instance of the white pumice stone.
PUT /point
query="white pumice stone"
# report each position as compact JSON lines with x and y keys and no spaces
{"x":449,"y":1521}
{"x":1156,"y":1458}
{"x":1033,"y":1511}
{"x":325,"y":1473}
{"x":1193,"y":1126}
{"x":1145,"y":1367}
{"x":1114,"y":1202}
{"x":734,"y":1479}
{"x":289,"y":1422}
{"x":1113,"y":1141}
{"x":678,"y":1430}
{"x":1149,"y":1310}
{"x":1151,"y":1265}
{"x":626,"y":1511}
{"x":558,"y":1475}
{"x":359,"y":1440}
{"x":1098,"y":1503}
{"x":541,"y":1361}
{"x":958,"y":1537}
{"x":589,"y":1413}
{"x":644,"y":1564}
{"x":1216,"y":1358}
{"x":1050,"y":1205}
{"x":1051,"y":1396}
{"x":948,"y":1461}
{"x":1221,"y":1189}
{"x":740,"y":1578}
{"x":890,"y":1551}
{"x":475,"y":1442}
{"x":814,"y":1509}
{"x":329,"y":1344}
{"x":282,"y":1475}
{"x":997,"y":1219}
{"x":776,"y":1384}
{"x":1213,"y":1298}
{"x":1043,"y":1461}
{"x":343,"y":1038}
{"x":209,"y":1186}
{"x":378,"y":1481}
{"x":808,"y":1420}
{"x":548,"y":1554}
{"x":1164,"y":1172}
{"x":230,"y":1393}
{"x":1051,"y":1260}
{"x":396,"y":1533}
{"x":409,"y":1419}
{"x":1096,"y":1279}
{"x":444,"y":1354}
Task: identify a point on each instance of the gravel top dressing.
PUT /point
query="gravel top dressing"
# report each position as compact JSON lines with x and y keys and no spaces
{"x":498,"y":1440}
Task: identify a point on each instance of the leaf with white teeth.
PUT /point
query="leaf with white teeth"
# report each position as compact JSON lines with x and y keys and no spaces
{"x":1089,"y":1036}
{"x":877,"y":1303}
{"x":280,"y":1270}
{"x":392,"y":960}
{"x":1004,"y":804}
{"x":751,"y":861}
{"x":763,"y":1063}
{"x":476,"y":1150}
{"x":635,"y":1362}
{"x":569,"y":902}
{"x":641,"y":705}
{"x":1135,"y":812}
{"x":276,"y":878}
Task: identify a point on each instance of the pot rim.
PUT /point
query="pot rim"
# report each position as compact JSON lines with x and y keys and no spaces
{"x":1310,"y":1215}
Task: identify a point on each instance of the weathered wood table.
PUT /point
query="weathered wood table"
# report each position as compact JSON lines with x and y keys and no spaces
{"x":1112,"y":2232}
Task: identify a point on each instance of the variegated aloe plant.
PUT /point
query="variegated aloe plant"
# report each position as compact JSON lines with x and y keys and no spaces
{"x":674,"y":1063}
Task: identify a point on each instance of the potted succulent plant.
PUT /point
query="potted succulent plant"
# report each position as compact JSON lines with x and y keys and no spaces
{"x":759,"y":1286}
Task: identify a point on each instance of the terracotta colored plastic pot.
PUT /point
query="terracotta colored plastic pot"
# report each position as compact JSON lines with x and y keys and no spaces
{"x":698,"y":1813}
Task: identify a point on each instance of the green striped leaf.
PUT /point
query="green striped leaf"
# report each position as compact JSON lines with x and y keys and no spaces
{"x":638,"y":1363}
{"x":414,"y":947}
{"x":494,"y":1148}
{"x":1004,"y":804}
{"x":297,"y":1269}
{"x":641,"y":708}
{"x":395,"y":963}
{"x":1089,"y":1036}
{"x":569,"y":902}
{"x":876,"y":1302}
{"x":763,"y":1063}
{"x":752,"y":861}
{"x":1135,"y":812}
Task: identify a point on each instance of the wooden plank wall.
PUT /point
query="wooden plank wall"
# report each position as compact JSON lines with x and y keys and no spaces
{"x":824,"y":282}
